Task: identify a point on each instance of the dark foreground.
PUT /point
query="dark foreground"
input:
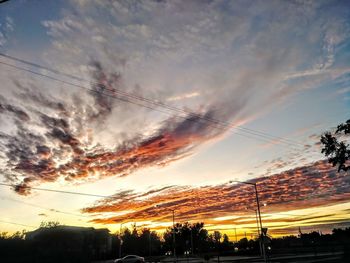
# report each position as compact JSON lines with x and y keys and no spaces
{"x":307,"y":258}
{"x":71,"y":244}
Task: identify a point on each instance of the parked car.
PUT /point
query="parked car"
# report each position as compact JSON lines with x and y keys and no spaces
{"x":130,"y":259}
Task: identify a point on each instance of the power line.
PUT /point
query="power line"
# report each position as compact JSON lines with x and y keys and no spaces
{"x":41,"y":207}
{"x":95,"y":195}
{"x":133,"y":96}
{"x":38,"y":66}
{"x":17,"y":224}
{"x":199,"y":117}
{"x":56,"y":191}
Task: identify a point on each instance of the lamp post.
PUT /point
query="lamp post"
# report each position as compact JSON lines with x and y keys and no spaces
{"x":120,"y":240}
{"x":257,"y":227}
{"x":236,"y":235}
{"x":150,"y":242}
{"x":192,"y":240}
{"x":174,"y":238}
{"x":259,"y":214}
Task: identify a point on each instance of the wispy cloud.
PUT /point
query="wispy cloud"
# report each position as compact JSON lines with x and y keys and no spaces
{"x":6,"y":27}
{"x":184,"y":96}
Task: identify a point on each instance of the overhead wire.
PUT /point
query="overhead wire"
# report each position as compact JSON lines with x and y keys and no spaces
{"x":226,"y":125}
{"x":17,"y":224}
{"x":56,"y":191}
{"x":124,"y":99}
{"x":42,"y":207}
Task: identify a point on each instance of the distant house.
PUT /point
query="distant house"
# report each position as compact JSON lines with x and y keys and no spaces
{"x":71,"y":241}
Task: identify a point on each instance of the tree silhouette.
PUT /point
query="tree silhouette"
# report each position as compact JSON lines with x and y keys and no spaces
{"x":49,"y":224}
{"x":186,"y":235}
{"x":217,"y":236}
{"x":14,"y":248}
{"x":336,"y":150}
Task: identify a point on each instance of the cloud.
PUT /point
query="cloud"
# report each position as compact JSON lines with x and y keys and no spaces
{"x":245,"y":58}
{"x":184,"y":96}
{"x":42,"y":214}
{"x":236,"y":56}
{"x":6,"y":27}
{"x":305,"y":187}
{"x":237,"y":48}
{"x":52,"y":139}
{"x":17,"y":112}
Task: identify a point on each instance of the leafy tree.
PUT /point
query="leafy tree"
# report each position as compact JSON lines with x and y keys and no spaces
{"x":243,"y":243}
{"x":143,"y":242}
{"x":49,"y":224}
{"x":337,"y":151}
{"x":226,"y":240}
{"x":217,"y":236}
{"x":130,"y":239}
{"x":150,"y":242}
{"x":200,"y":237}
{"x":19,"y":234}
{"x":183,"y":233}
{"x":226,"y":245}
{"x":3,"y":235}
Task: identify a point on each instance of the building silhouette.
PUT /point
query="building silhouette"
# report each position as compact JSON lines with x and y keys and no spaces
{"x":82,"y":243}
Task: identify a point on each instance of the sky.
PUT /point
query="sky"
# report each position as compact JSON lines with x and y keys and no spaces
{"x":154,"y":106}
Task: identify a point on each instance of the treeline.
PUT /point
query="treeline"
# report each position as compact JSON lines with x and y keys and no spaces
{"x":338,"y":240}
{"x":190,"y":239}
{"x":195,"y":239}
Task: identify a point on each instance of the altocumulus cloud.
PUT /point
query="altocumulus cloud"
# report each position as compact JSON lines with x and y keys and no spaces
{"x":314,"y":185}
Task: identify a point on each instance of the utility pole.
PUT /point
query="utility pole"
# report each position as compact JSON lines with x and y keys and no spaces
{"x":261,"y":228}
{"x":259,"y":214}
{"x":192,"y":240}
{"x":257,"y":221}
{"x":174,"y":238}
{"x":236,"y":234}
{"x":150,"y":243}
{"x":257,"y":225}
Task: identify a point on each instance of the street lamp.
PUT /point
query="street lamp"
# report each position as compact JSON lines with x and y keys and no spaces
{"x":256,"y":216}
{"x":257,"y":227}
{"x":120,"y":240}
{"x":258,"y":206}
{"x":174,"y":238}
{"x":192,"y":252}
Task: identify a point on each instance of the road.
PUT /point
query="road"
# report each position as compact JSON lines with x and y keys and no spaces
{"x":305,"y":258}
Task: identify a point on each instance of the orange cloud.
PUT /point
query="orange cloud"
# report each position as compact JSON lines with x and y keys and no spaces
{"x":311,"y":186}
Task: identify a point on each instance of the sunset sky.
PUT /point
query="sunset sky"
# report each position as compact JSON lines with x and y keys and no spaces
{"x":159,"y":105}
